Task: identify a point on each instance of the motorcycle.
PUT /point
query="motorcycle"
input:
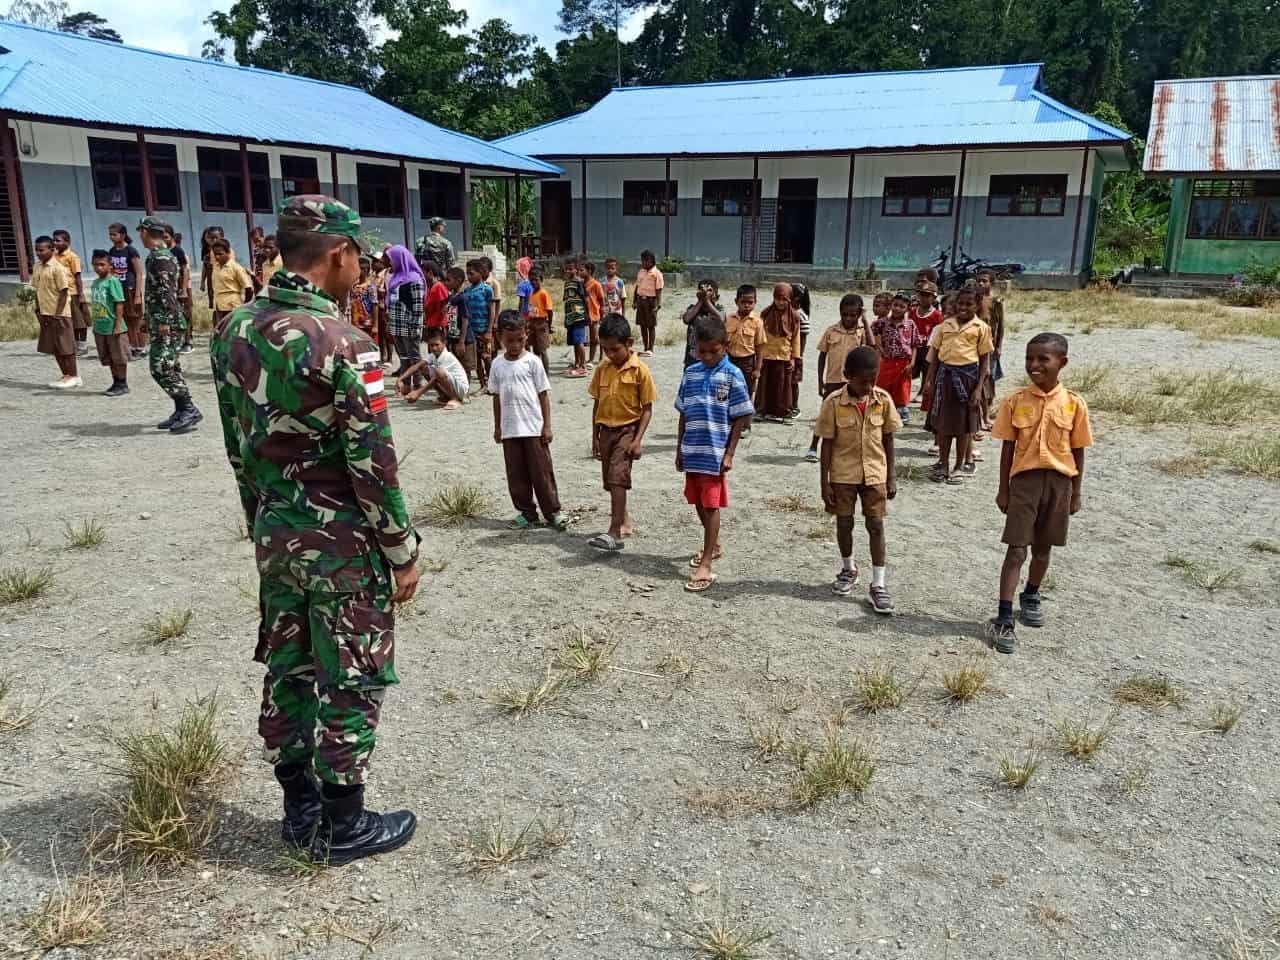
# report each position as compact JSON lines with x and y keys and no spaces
{"x":966,"y":269}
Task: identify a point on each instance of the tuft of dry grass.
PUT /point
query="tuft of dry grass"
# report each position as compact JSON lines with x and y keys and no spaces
{"x":793,"y":503}
{"x":497,"y":844}
{"x":520,"y":701}
{"x":674,"y":662}
{"x":585,"y":659}
{"x":909,"y":471}
{"x":1016,"y":771}
{"x":166,"y":814}
{"x":164,"y":627}
{"x":18,"y":584}
{"x":1187,"y":467}
{"x":15,"y":715}
{"x":1050,"y":914}
{"x":966,"y":682}
{"x":843,"y":766}
{"x":1203,"y":575}
{"x":18,"y":322}
{"x":878,"y":687}
{"x":1082,"y":738}
{"x":1088,"y":377}
{"x":1224,"y":716}
{"x":74,"y":915}
{"x":767,"y":737}
{"x":729,"y":803}
{"x":1264,"y":546}
{"x":1149,"y":690}
{"x":1261,"y":943}
{"x":720,"y":938}
{"x":85,"y":535}
{"x":1257,"y":455}
{"x":453,"y":505}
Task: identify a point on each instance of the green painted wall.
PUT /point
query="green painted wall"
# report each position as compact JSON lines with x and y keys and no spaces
{"x":1222,"y":257}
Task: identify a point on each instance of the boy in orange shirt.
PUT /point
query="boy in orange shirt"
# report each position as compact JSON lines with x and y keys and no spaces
{"x":1045,"y":429}
{"x":595,"y":310}
{"x":539,"y":319}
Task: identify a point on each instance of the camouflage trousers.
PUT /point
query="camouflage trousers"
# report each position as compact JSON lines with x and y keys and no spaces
{"x":166,"y":366}
{"x":329,"y":658}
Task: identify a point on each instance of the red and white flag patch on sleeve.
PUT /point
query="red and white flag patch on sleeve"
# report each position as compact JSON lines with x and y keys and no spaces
{"x":372,"y":382}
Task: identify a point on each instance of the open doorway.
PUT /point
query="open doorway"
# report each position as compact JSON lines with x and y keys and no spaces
{"x":557,"y":217}
{"x":797,"y":219}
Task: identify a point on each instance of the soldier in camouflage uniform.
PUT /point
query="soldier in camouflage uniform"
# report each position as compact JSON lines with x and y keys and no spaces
{"x":436,"y":248}
{"x":304,"y":419}
{"x":167,"y":325}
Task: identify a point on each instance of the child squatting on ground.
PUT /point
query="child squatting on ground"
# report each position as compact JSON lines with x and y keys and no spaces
{"x":1045,"y":429}
{"x":715,"y":407}
{"x":440,"y":371}
{"x":522,"y":424}
{"x":624,"y":393}
{"x":857,"y":425}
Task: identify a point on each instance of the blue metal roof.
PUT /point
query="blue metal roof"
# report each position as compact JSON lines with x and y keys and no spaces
{"x":45,"y":73}
{"x":966,"y":106}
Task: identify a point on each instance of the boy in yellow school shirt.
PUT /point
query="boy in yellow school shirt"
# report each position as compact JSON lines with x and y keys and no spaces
{"x":230,"y":282}
{"x":624,"y":393}
{"x":1045,"y":429}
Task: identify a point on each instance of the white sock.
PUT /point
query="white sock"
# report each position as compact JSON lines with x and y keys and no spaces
{"x":848,"y":562}
{"x":877,"y":576}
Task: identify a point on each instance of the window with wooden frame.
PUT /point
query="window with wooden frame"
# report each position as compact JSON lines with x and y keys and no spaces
{"x":728,"y":198}
{"x":299,"y":175}
{"x":380,"y":190}
{"x":440,"y":194}
{"x":648,"y":198}
{"x":116,"y":169}
{"x":918,"y":196}
{"x":1234,"y":210}
{"x":1027,"y":195}
{"x":222,"y":181}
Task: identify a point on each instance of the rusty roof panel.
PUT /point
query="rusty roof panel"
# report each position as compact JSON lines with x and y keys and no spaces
{"x":1223,"y":125}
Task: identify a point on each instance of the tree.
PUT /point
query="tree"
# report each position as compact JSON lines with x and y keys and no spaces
{"x":589,"y":16}
{"x":323,"y":39}
{"x":582,"y":71}
{"x":88,"y":24}
{"x":423,"y":63}
{"x":56,"y":15}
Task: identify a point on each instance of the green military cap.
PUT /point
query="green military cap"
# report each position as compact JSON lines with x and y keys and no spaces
{"x":154,"y":223}
{"x":316,"y":213}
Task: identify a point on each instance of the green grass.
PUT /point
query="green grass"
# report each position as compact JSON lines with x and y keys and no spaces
{"x":1088,"y":377}
{"x":1082,"y":738}
{"x":1203,"y":575}
{"x":843,"y":766}
{"x":1150,"y":690}
{"x":164,"y":627}
{"x":1016,"y":771}
{"x":18,"y":323}
{"x":878,"y":687}
{"x":1264,"y":546}
{"x":1257,"y":455}
{"x":85,"y":535}
{"x":18,"y":584}
{"x":453,"y":505}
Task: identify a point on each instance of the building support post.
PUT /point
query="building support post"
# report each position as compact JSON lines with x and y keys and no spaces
{"x":466,"y":208}
{"x":148,"y":185}
{"x":584,"y":206}
{"x":246,"y":195}
{"x":958,"y":200}
{"x":666,"y":207}
{"x":16,"y":200}
{"x":519,"y":225}
{"x":1075,"y":234}
{"x":848,"y":210}
{"x":506,"y":218}
{"x":404,"y":210}
{"x":333,"y":174}
{"x":756,"y":190}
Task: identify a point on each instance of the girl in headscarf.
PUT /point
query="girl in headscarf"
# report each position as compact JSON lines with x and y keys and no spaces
{"x":781,"y":351}
{"x":524,"y":289}
{"x":406,"y":289}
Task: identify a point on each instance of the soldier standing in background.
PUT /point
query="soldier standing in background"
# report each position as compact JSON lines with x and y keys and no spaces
{"x":436,"y":248}
{"x":167,"y":324}
{"x":304,"y":418}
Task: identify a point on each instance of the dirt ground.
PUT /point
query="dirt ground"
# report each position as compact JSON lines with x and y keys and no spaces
{"x":663,"y":813}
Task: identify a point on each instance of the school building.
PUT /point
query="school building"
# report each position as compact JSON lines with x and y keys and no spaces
{"x":99,"y":132}
{"x":1218,"y":140}
{"x":830,"y":174}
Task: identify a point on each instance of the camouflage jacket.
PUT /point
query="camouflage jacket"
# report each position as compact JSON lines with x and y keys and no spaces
{"x":304,"y":422}
{"x":438,"y":249}
{"x":161,"y":296}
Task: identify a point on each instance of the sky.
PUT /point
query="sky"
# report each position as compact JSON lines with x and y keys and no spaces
{"x":178,"y":26}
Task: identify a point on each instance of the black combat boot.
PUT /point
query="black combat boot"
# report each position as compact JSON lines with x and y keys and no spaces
{"x":301,"y":804}
{"x":188,"y":416}
{"x":172,"y":418}
{"x":348,"y":831}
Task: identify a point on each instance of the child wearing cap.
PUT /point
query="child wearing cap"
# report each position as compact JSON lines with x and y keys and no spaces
{"x":1045,"y":429}
{"x":925,"y":315}
{"x":715,"y":407}
{"x":857,"y":424}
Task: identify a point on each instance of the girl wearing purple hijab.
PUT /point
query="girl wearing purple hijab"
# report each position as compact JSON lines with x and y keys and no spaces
{"x":406,"y":289}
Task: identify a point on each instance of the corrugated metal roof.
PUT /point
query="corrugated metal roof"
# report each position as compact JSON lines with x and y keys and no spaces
{"x":966,"y":106}
{"x":1214,"y":125}
{"x":62,"y":76}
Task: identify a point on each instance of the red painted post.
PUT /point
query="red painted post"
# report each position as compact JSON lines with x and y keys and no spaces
{"x":148,"y":186}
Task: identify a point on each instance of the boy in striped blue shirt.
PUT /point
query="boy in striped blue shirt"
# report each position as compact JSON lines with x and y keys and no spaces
{"x":714,"y":406}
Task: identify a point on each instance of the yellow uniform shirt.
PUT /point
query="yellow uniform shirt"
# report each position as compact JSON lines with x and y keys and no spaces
{"x":49,"y":280}
{"x":229,"y":284}
{"x":782,"y":348}
{"x":71,"y":261}
{"x":957,"y":345}
{"x":648,"y":282}
{"x":269,"y":268}
{"x":746,"y":334}
{"x":857,"y":456}
{"x":622,"y":392}
{"x":837,"y":343}
{"x":1045,"y":427}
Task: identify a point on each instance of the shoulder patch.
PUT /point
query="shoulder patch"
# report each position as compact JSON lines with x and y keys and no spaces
{"x":370,"y":378}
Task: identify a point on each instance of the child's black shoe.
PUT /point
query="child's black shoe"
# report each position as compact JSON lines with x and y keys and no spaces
{"x":1002,"y":635}
{"x":1029,"y":611}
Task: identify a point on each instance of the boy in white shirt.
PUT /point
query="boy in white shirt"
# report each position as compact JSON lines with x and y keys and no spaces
{"x":441,"y":371}
{"x":522,"y":424}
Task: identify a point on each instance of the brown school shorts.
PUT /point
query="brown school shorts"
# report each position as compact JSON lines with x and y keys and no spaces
{"x":539,"y":336}
{"x":57,"y":336}
{"x":113,"y":349}
{"x":1039,"y":509}
{"x":647,"y":311}
{"x":79,"y":315}
{"x":132,"y":312}
{"x":875,"y":501}
{"x":615,"y":465}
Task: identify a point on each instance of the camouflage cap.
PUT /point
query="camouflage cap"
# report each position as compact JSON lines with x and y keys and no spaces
{"x":154,"y":223}
{"x":316,"y":213}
